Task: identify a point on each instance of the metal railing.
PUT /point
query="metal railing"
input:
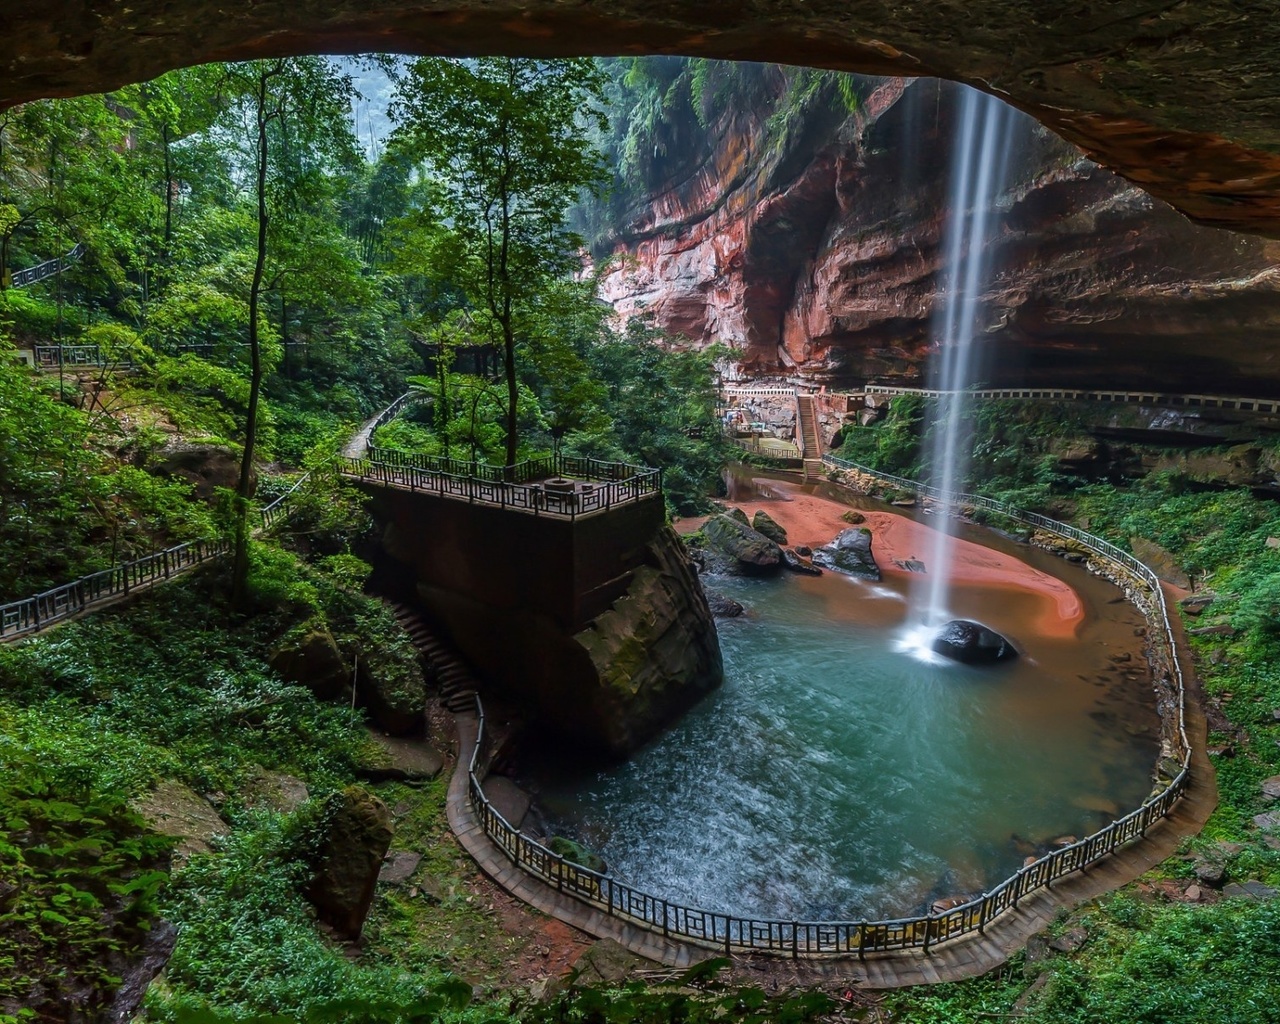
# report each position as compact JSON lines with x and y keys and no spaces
{"x":752,"y":391}
{"x":1158,"y":398}
{"x":61,"y":602}
{"x":53,"y":356}
{"x":48,"y":268}
{"x":523,"y":487}
{"x":1152,"y":602}
{"x":734,"y":934}
{"x":753,"y":446}
{"x":30,"y":614}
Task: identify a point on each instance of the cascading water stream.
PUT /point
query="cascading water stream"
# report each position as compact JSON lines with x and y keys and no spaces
{"x":980,"y":164}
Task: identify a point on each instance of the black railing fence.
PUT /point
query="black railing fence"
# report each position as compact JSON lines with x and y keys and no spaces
{"x":526,"y":487}
{"x":1157,"y":398}
{"x":538,"y":486}
{"x":734,"y":934}
{"x":23,"y":278}
{"x":33,"y":613}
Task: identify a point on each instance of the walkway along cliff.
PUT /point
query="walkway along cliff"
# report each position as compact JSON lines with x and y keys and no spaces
{"x":950,"y":942}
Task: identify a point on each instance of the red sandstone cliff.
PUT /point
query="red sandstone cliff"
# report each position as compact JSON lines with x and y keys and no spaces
{"x":822,"y":253}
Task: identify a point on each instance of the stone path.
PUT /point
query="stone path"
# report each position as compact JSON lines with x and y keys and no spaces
{"x":966,"y":957}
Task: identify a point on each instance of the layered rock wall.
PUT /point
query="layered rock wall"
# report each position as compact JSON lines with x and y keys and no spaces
{"x":823,"y":258}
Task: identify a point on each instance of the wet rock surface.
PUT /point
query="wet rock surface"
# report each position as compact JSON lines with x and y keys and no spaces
{"x":723,"y":607}
{"x":842,"y":244}
{"x":850,"y":553}
{"x":796,"y":562}
{"x":972,"y":643}
{"x":731,"y":546}
{"x":763,"y":523}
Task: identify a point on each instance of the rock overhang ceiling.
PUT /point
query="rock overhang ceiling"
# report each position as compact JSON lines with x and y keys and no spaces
{"x":1179,"y":97}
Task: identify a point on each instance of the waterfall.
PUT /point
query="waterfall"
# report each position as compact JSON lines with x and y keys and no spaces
{"x":980,"y":161}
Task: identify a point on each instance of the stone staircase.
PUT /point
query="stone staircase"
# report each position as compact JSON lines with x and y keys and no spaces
{"x":457,"y":684}
{"x":810,"y":439}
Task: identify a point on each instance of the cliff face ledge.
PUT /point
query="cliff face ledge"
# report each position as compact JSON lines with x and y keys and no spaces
{"x":1179,"y":97}
{"x":655,"y":652}
{"x":827,"y":262}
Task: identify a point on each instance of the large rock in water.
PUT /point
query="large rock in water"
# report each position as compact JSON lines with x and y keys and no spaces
{"x":734,"y":547}
{"x":356,"y":829}
{"x":764,"y":523}
{"x":972,"y":643}
{"x":850,"y":553}
{"x":723,"y":607}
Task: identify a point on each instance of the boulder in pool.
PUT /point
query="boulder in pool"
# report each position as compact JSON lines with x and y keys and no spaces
{"x":850,"y":553}
{"x":795,"y":562}
{"x":722,"y":607}
{"x":735,"y":548}
{"x":972,"y":643}
{"x":762,"y":522}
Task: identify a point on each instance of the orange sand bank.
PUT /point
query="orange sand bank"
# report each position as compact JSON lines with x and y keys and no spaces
{"x":812,"y":520}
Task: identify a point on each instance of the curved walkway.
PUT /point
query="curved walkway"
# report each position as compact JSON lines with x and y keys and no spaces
{"x":955,"y":960}
{"x":1164,"y":399}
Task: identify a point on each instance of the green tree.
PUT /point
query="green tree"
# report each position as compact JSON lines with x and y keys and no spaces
{"x":506,"y":140}
{"x":297,"y":115}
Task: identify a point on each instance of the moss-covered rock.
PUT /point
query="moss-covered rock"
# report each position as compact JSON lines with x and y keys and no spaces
{"x":732,"y":546}
{"x":576,"y":853}
{"x":308,"y":656}
{"x":394,"y":690}
{"x":850,"y":553}
{"x":654,"y":654}
{"x":764,"y":523}
{"x":173,"y":809}
{"x":354,"y":835}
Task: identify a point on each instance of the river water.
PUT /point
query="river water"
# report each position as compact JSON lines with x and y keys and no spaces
{"x":835,"y":777}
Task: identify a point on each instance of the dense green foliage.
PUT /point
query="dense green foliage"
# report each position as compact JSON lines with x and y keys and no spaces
{"x":68,"y":504}
{"x":178,"y":688}
{"x":79,"y":876}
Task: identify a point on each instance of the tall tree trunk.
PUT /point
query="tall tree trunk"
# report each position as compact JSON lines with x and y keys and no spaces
{"x":168,"y":190}
{"x":284,"y":334}
{"x":240,"y":569}
{"x":504,"y":278}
